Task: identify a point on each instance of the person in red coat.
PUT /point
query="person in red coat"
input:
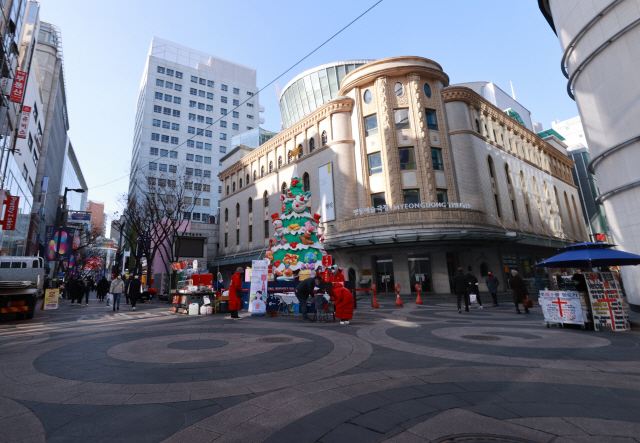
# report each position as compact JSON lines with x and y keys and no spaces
{"x":343,"y":301}
{"x":336,"y":275}
{"x":235,"y":293}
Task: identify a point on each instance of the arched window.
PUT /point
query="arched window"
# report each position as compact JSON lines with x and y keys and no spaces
{"x":536,"y":193}
{"x":289,"y":157}
{"x":265,"y":199}
{"x":506,"y":171}
{"x":564,"y":229}
{"x":255,"y":175}
{"x":351,"y":274}
{"x":512,"y":194}
{"x":284,"y":188}
{"x":478,"y":126}
{"x":427,"y":90}
{"x":491,"y":171}
{"x":324,"y":138}
{"x":226,"y":214}
{"x":575,"y":210}
{"x":233,"y":187}
{"x":484,"y":269}
{"x":237,"y":209}
{"x":261,"y":171}
{"x":227,"y":189}
{"x":494,"y":186}
{"x":279,"y":161}
{"x":248,"y":179}
{"x":312,"y":144}
{"x":486,"y":131}
{"x":525,"y":196}
{"x":270,"y":167}
{"x":566,"y":202}
{"x":240,"y":184}
{"x":300,"y":149}
{"x":305,"y":182}
{"x":250,"y":205}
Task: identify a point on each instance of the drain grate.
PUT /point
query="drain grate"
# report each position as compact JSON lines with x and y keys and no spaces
{"x":481,"y":439}
{"x":275,"y":340}
{"x":480,"y":337}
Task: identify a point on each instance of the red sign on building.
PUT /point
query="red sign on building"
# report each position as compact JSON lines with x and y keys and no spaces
{"x":17,"y":91}
{"x":11,"y":214}
{"x":601,"y":237}
{"x":23,"y":124}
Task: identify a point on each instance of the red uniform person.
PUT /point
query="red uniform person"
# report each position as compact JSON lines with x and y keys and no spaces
{"x":343,"y":300}
{"x":336,"y":275}
{"x":235,"y":293}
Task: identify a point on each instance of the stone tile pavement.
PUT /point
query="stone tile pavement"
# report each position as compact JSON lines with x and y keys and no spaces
{"x":410,"y":374}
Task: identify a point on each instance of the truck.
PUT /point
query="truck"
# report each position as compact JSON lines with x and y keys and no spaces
{"x":21,"y":280}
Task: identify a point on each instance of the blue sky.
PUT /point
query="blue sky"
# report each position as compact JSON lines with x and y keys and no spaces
{"x":105,"y":45}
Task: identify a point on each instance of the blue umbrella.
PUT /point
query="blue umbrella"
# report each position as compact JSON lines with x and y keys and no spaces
{"x":590,"y":255}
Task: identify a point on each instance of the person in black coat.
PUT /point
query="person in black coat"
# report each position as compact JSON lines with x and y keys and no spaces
{"x":461,"y":288}
{"x":135,"y":290}
{"x":305,"y":290}
{"x":102,"y":288}
{"x":474,"y":289}
{"x":520,"y":291}
{"x":77,"y":291}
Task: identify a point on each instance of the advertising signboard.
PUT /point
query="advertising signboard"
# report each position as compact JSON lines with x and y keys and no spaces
{"x":609,"y":308}
{"x":17,"y":91}
{"x":11,"y":214}
{"x":562,"y":307}
{"x":23,"y":122}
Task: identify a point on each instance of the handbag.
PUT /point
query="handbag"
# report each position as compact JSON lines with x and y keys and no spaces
{"x":527,"y":303}
{"x":472,"y":298}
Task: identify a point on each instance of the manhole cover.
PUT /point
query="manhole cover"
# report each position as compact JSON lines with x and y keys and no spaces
{"x":482,"y":338}
{"x":458,"y":321}
{"x":275,"y":340}
{"x":481,"y":439}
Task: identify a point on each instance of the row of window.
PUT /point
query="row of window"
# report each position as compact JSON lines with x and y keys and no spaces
{"x":202,"y":81}
{"x":201,"y":93}
{"x":199,"y":187}
{"x":196,"y":216}
{"x":169,"y":72}
{"x":398,"y":89}
{"x":198,"y":172}
{"x":197,"y":201}
{"x":401,"y":117}
{"x":201,"y":119}
{"x":153,"y":166}
{"x":410,"y":197}
{"x":166,"y":111}
{"x":202,"y":106}
{"x":164,"y":138}
{"x":407,"y":160}
{"x":235,"y":126}
{"x":163,"y":153}
{"x":198,"y":145}
{"x":166,"y":125}
{"x":200,"y":131}
{"x":168,"y":85}
{"x":168,"y":98}
{"x":198,"y":158}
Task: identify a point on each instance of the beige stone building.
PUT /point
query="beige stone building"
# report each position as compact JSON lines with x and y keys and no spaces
{"x":413,"y":178}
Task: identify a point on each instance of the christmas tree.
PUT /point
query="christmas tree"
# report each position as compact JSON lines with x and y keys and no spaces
{"x":296,"y":250}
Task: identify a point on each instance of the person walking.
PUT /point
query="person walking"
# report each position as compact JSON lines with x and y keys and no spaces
{"x":305,"y":290}
{"x":492,"y":286}
{"x":135,"y":290}
{"x":474,"y":289}
{"x":235,"y":293}
{"x":79,"y":290}
{"x":102,"y":288}
{"x":87,"y":289}
{"x":343,"y":302}
{"x":520,"y":291}
{"x":117,"y":288}
{"x":126,"y":289}
{"x":461,"y":288}
{"x":68,"y":288}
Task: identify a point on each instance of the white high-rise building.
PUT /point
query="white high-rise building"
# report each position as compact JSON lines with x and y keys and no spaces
{"x":189,"y":106}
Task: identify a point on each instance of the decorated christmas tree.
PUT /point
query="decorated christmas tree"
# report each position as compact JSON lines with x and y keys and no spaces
{"x":296,"y":250}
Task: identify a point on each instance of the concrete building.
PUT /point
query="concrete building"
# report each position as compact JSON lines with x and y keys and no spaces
{"x":189,"y":107}
{"x":73,"y":178}
{"x":98,"y":222}
{"x":600,"y":40}
{"x":413,"y":178}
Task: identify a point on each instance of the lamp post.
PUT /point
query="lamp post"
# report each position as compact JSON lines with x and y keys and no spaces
{"x":62,"y":221}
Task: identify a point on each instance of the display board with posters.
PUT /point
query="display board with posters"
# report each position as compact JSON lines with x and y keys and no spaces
{"x":561,"y":307}
{"x":51,"y":299}
{"x":607,"y":303}
{"x":258,"y":289}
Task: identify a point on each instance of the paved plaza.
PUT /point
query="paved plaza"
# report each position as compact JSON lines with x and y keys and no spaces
{"x":409,"y":374}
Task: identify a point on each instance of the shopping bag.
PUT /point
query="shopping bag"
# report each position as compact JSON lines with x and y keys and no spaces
{"x":527,"y":303}
{"x":109,"y":299}
{"x":472,"y":298}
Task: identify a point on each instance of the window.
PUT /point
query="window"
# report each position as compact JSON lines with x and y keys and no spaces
{"x":441,"y":194}
{"x":223,"y":136}
{"x":178,"y":74}
{"x":407,"y":158}
{"x":427,"y":90}
{"x":436,"y":158}
{"x":175,"y":126}
{"x":506,"y":172}
{"x":223,"y":124}
{"x":250,"y":93}
{"x":270,"y":167}
{"x":207,"y":146}
{"x":224,"y":87}
{"x":227,"y":191}
{"x":168,"y":98}
{"x":324,"y":138}
{"x":192,"y":104}
{"x":223,"y":111}
{"x":265,"y":199}
{"x":201,"y":94}
{"x":155,"y":137}
{"x":261,"y":171}
{"x":210,"y":108}
{"x":197,"y":202}
{"x":367,"y":96}
{"x":200,"y":131}
{"x":305,"y":182}
{"x":236,"y":114}
{"x":153,"y":166}
{"x":279,"y":162}
{"x":402,"y":118}
{"x":237,"y":237}
{"x":177,"y":100}
{"x":157,"y":109}
{"x":201,"y":106}
{"x":248,"y":179}
{"x":250,"y":105}
{"x":158,"y":95}
{"x":411,"y":196}
{"x":514,"y":209}
{"x":153,"y":151}
{"x":198,"y":172}
{"x":191,"y":129}
{"x":432,"y":121}
{"x":250,"y":116}
{"x":235,"y":126}
{"x":178,"y":87}
{"x":195,"y":216}
{"x":223,"y":99}
{"x":176,"y":113}
{"x":289,"y":157}
{"x":173,"y":168}
{"x":207,"y":160}
{"x":194,"y":79}
{"x":398,"y":89}
{"x":163,"y":167}
{"x":312,"y":145}
{"x":255,"y":175}
{"x":207,"y":188}
{"x":199,"y":145}
{"x":203,"y":81}
{"x":378,"y":201}
{"x":193,"y":91}
{"x":236,"y":91}
{"x":223,"y":149}
{"x":207,"y":174}
{"x":160,"y":70}
{"x":198,"y":159}
{"x":166,"y":111}
{"x":166,"y":125}
{"x":266,"y":229}
{"x":236,"y":102}
{"x":209,"y":120}
{"x":164,"y":152}
{"x":209,"y":134}
{"x":497,"y":201}
{"x":375,"y":163}
{"x":190,"y":157}
{"x":210,"y":95}
{"x":478,"y":127}
{"x":237,"y":209}
{"x":491,"y":171}
{"x":151,"y":181}
{"x":206,"y":202}
{"x":35,"y":156}
{"x":210,"y":83}
{"x":189,"y":171}
{"x":250,"y":233}
{"x":156,"y":123}
{"x":201,"y":119}
{"x":170,"y":72}
{"x":226,"y":239}
{"x":172,"y":183}
{"x":190,"y":143}
{"x":159,"y":82}
{"x":168,"y":85}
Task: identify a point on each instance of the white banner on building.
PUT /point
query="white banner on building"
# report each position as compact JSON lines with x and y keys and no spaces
{"x":327,"y":205}
{"x":23,"y":124}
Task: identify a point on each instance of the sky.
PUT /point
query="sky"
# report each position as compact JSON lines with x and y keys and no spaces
{"x":106,"y":43}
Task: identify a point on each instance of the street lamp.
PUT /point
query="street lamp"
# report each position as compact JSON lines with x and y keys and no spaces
{"x":62,"y":221}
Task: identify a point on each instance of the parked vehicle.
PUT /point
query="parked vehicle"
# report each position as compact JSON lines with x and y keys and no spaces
{"x":21,"y":280}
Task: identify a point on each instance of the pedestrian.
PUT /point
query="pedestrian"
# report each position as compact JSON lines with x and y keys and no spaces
{"x":102,"y":288}
{"x":68,"y":288}
{"x":540,"y":285}
{"x":305,"y":290}
{"x":474,"y":289}
{"x":336,"y":275}
{"x":520,"y":291}
{"x":343,"y":302}
{"x":134,"y":290}
{"x":492,"y":287}
{"x":117,"y":288}
{"x":126,"y":289}
{"x":78,"y":290}
{"x":235,"y":293}
{"x":87,"y":289}
{"x":461,"y":288}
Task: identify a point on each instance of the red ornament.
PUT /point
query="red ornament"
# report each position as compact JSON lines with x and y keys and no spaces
{"x":294,"y":181}
{"x":283,"y":209}
{"x":293,"y":244}
{"x":276,"y":263}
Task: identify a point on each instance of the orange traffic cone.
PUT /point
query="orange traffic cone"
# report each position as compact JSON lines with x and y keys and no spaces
{"x":374,"y":301}
{"x":398,"y":299}
{"x":418,"y":299}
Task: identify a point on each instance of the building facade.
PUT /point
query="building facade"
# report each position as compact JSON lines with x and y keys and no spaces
{"x":595,"y":37}
{"x":413,"y":179}
{"x":98,"y":222}
{"x":189,"y":107}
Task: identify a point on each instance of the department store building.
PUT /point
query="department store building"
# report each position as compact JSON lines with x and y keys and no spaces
{"x":413,"y":177}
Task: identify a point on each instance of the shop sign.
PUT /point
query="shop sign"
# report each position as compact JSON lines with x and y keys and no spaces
{"x":23,"y":125}
{"x":430,"y":205}
{"x":601,"y":237}
{"x":11,"y":214}
{"x":51,"y":298}
{"x":562,"y":307}
{"x":609,"y":308}
{"x":17,"y":92}
{"x":81,"y":216}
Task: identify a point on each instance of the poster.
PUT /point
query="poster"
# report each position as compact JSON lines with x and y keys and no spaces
{"x":17,"y":91}
{"x":51,"y":242}
{"x":327,"y":205}
{"x":562,"y":307}
{"x":258,"y":290}
{"x":51,"y":298}
{"x":11,"y":213}
{"x":609,"y":308}
{"x":23,"y":123}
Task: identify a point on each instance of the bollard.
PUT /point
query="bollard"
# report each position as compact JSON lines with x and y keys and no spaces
{"x":418,"y":299}
{"x":374,"y":301}
{"x":398,"y":299}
